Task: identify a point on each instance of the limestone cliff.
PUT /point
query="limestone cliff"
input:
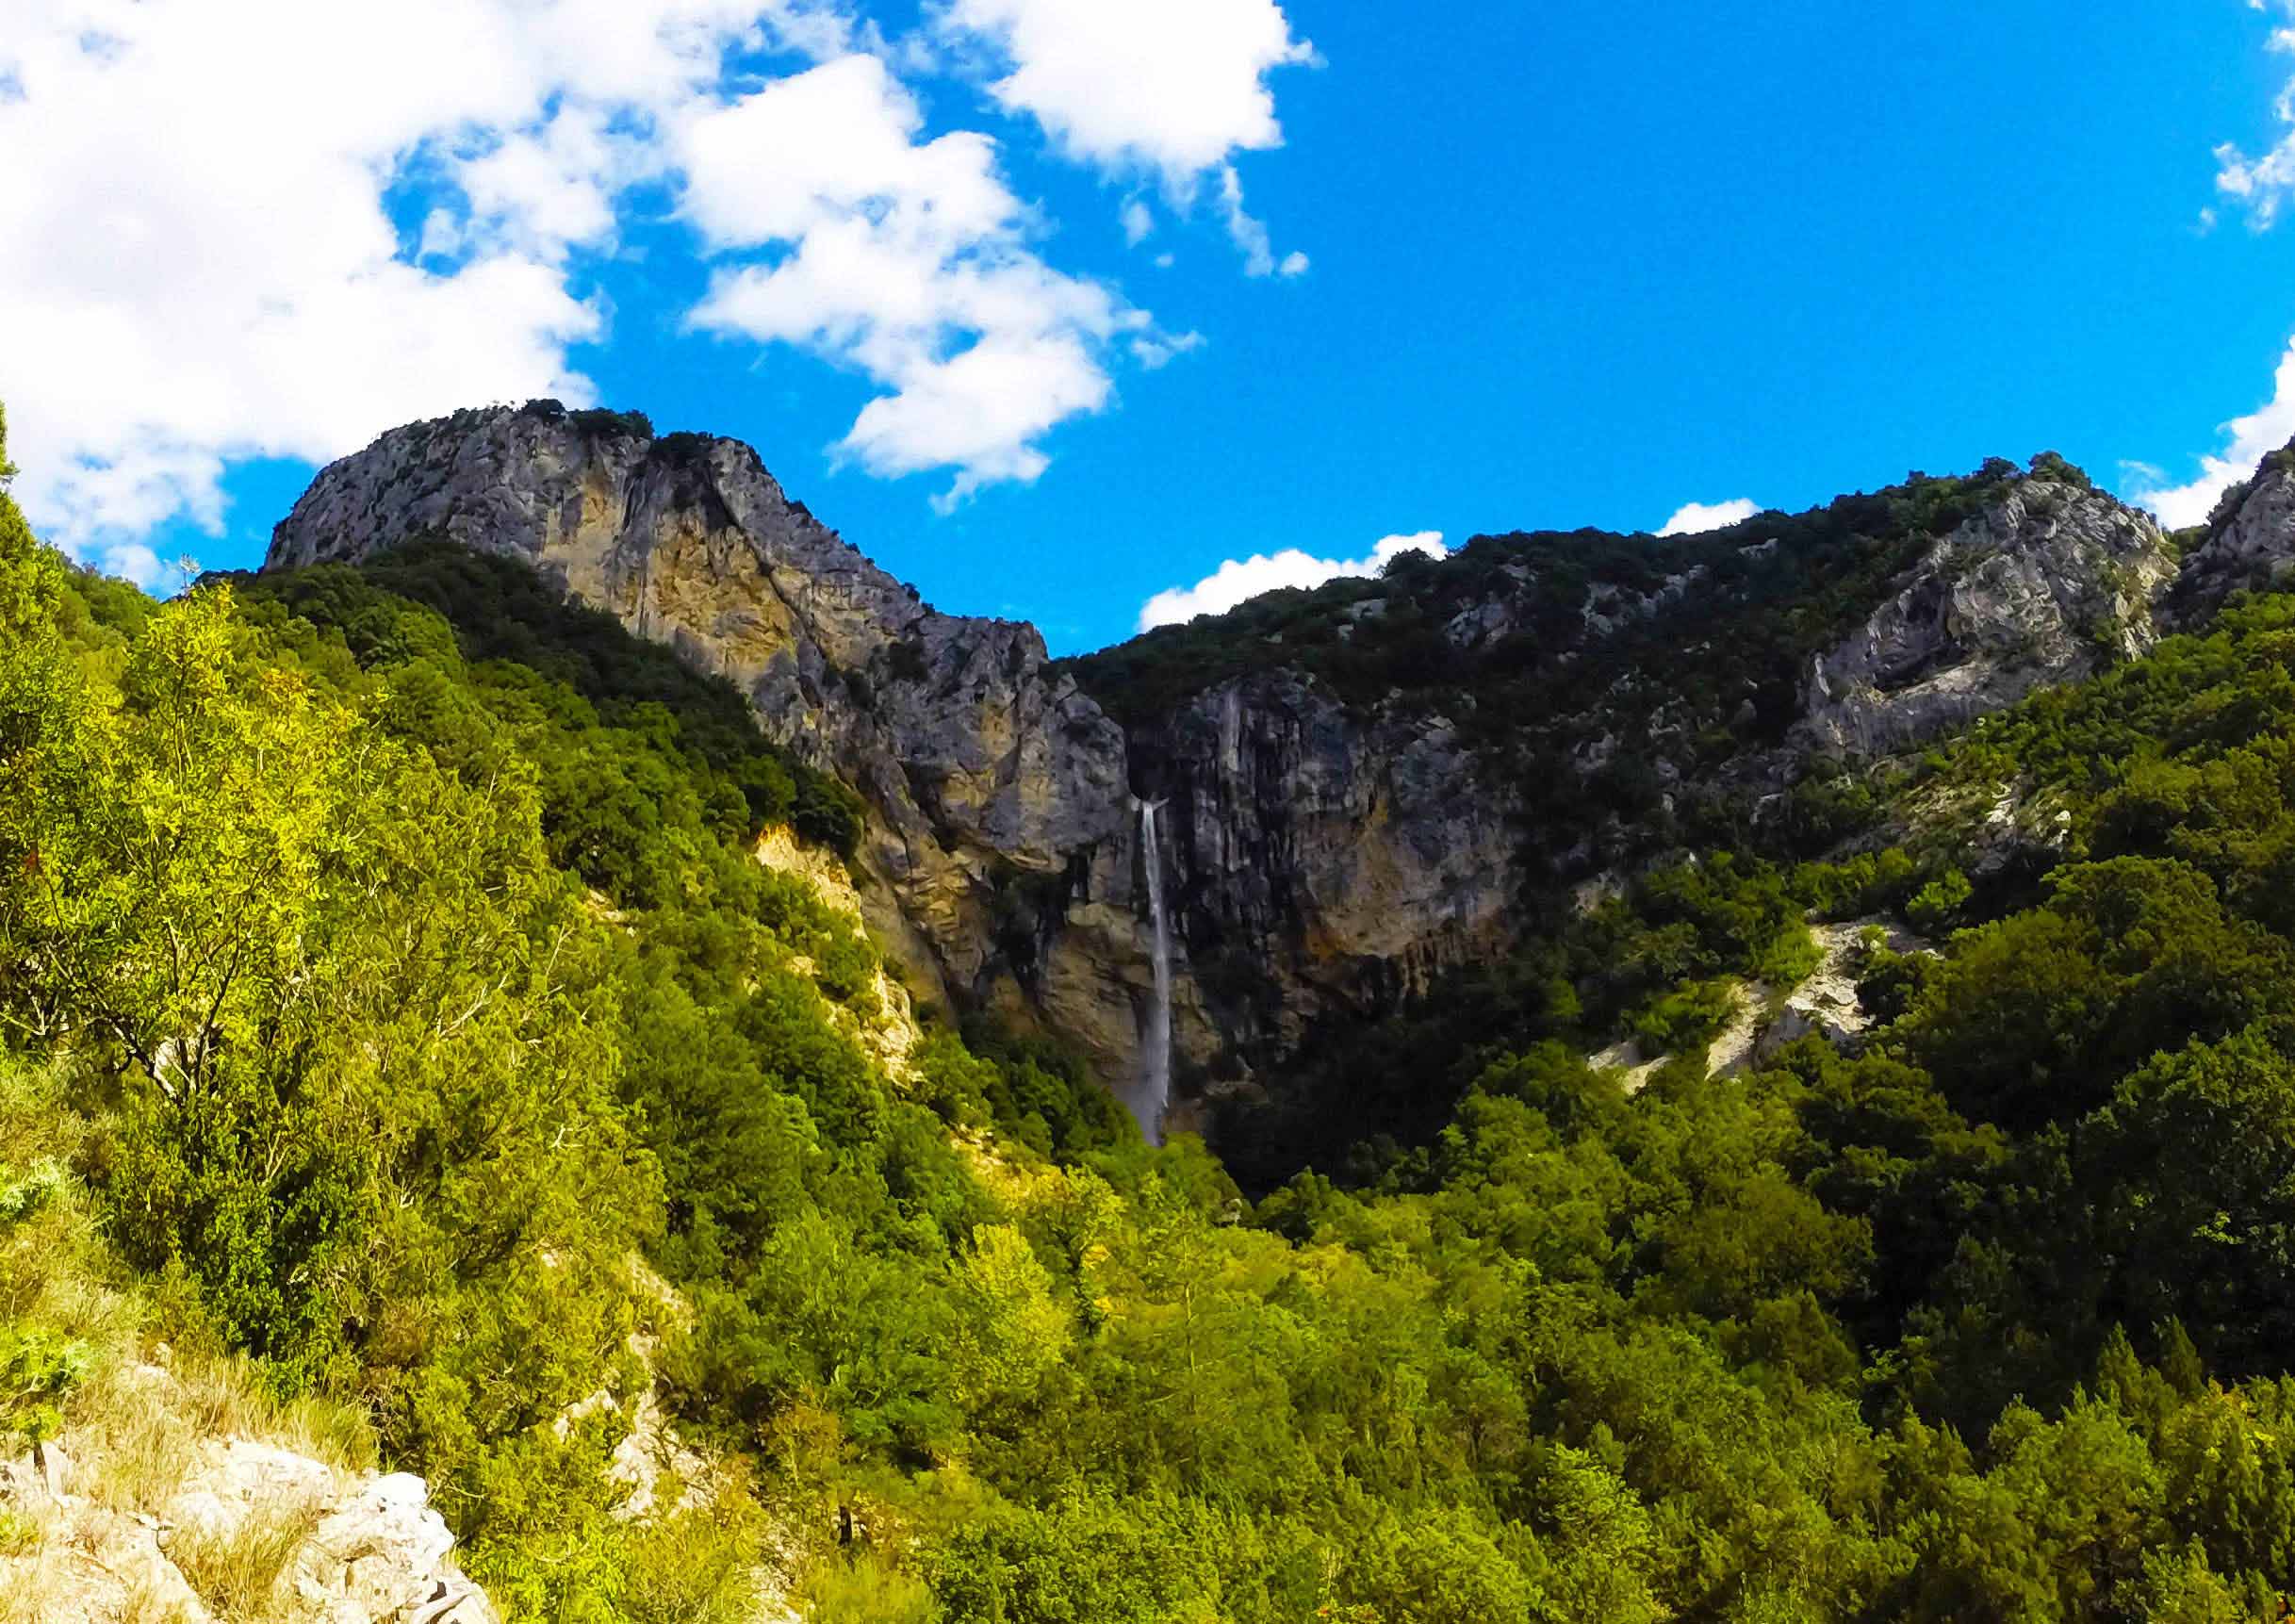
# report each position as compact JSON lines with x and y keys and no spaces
{"x":1327,"y":859}
{"x":1360,"y":783}
{"x":989,"y":780}
{"x":2044,"y":586}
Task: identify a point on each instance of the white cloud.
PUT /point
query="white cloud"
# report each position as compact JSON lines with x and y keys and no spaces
{"x":1696,"y":518}
{"x":195,"y":260}
{"x":1240,"y":579}
{"x":2247,"y":441}
{"x":1139,"y":223}
{"x":2262,"y":184}
{"x":908,"y":261}
{"x":202,"y":258}
{"x":1171,"y":89}
{"x":1168,"y":86}
{"x":1154,"y":350}
{"x":1250,"y":234}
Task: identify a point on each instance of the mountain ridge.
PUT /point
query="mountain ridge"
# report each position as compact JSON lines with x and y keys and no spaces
{"x":1884,"y":1233}
{"x":1367,"y":779}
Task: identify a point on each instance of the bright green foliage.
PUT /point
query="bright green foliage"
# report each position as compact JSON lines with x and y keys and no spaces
{"x":1938,"y":904}
{"x":36,"y":1370}
{"x":397,"y":937}
{"x":633,"y":747}
{"x":2034,"y":1016}
{"x":1681,"y":1023}
{"x":2195,"y":1169}
{"x":251,"y":918}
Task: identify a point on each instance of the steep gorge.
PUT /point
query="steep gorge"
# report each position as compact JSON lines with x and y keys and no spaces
{"x":1359,"y":786}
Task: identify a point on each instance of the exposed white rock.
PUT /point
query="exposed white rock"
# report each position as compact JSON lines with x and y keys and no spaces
{"x":1481,"y":623}
{"x":1733,"y":1050}
{"x":375,"y":1553}
{"x":89,"y":1565}
{"x":370,"y":1549}
{"x":1627,"y":1058}
{"x":2046,"y":586}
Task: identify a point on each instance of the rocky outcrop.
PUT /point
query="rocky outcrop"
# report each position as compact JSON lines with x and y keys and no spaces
{"x":323,"y":1544}
{"x":2046,"y":586}
{"x":2250,"y":543}
{"x":369,"y":1548}
{"x":1826,"y":1003}
{"x":996,"y":789}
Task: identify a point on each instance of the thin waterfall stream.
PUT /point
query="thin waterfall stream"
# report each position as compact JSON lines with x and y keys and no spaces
{"x":1155,"y":1090}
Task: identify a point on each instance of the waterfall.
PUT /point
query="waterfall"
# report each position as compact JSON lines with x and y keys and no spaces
{"x":1155,"y":1087}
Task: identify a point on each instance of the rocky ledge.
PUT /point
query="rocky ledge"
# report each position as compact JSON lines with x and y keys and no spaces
{"x":318,"y":1542}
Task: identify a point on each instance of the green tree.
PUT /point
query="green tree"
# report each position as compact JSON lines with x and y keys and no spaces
{"x":37,"y":1369}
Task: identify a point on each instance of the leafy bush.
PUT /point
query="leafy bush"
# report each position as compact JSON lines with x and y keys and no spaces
{"x":1936,"y":905}
{"x":1686,"y":1020}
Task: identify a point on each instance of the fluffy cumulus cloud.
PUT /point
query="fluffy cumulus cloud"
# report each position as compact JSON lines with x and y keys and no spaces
{"x":2246,"y":442}
{"x":1168,"y":88}
{"x":2261,"y":185}
{"x":245,"y":228}
{"x":905,"y":258}
{"x":1696,"y":518}
{"x":1240,"y":579}
{"x":195,"y":259}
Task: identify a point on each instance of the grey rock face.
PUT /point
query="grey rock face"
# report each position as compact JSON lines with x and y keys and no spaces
{"x":1320,"y":856}
{"x":2046,"y":586}
{"x":1320,"y":859}
{"x":2253,"y":546}
{"x":977,"y":765}
{"x":1327,"y":859}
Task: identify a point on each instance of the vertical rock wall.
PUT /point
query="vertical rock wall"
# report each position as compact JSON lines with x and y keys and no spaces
{"x":1326,"y":858}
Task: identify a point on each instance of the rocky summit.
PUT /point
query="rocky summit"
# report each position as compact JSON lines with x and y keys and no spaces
{"x":1360,"y":781}
{"x":2043,"y":587}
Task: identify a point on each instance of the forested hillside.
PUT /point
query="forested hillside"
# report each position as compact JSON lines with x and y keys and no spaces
{"x":393,"y":1000}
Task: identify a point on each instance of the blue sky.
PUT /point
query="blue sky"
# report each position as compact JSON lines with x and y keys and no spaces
{"x":1559,"y":269}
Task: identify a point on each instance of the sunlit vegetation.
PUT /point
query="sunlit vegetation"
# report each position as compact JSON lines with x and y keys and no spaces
{"x":392,"y":1003}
